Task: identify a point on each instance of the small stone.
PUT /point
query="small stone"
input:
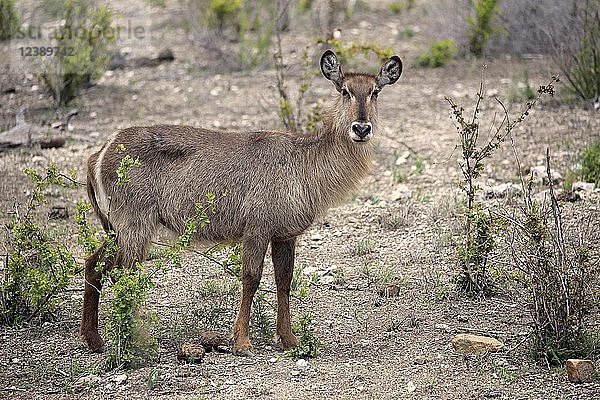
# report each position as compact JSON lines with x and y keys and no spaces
{"x":272,"y":360}
{"x":94,"y":134}
{"x":38,"y":160}
{"x":216,"y":91}
{"x":580,"y":371}
{"x":190,"y":353}
{"x":216,"y":123}
{"x":419,"y":360}
{"x":501,"y":191}
{"x":120,"y":379}
{"x":93,"y":115}
{"x":476,"y":344}
{"x":390,"y":290}
{"x":302,"y":363}
{"x":410,"y":387}
{"x":15,"y":360}
{"x":442,"y":327}
{"x":58,"y":212}
{"x":403,"y":158}
{"x":540,"y":174}
{"x":583,"y":186}
{"x":462,"y":318}
{"x":295,"y":372}
{"x":35,"y":88}
{"x":217,"y":341}
{"x":492,"y":93}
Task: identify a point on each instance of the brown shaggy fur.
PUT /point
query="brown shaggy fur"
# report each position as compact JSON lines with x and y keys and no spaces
{"x":276,"y":184}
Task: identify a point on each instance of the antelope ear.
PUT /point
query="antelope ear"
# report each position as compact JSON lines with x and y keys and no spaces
{"x":390,"y":72}
{"x":331,"y":69}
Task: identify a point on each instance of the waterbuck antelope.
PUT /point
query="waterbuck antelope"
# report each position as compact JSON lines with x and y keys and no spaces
{"x":277,"y":183}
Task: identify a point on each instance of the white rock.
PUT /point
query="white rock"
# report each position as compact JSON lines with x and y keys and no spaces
{"x":216,"y":123}
{"x":94,"y":114}
{"x":442,"y":327}
{"x":410,"y":387}
{"x":302,"y":363}
{"x":120,"y":379}
{"x":501,"y":191}
{"x":541,"y":176}
{"x":492,"y":92}
{"x":38,"y":160}
{"x":34,"y":88}
{"x":583,"y":186}
{"x":272,"y":360}
{"x":402,"y":158}
{"x":295,"y":372}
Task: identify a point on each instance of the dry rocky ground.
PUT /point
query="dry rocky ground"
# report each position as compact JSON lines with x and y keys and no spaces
{"x":402,"y":232}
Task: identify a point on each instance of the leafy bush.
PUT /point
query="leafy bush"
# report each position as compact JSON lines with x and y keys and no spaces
{"x":308,"y":344}
{"x":38,"y":268}
{"x":127,"y":325}
{"x":347,"y":50}
{"x":83,"y":41}
{"x":482,"y":25}
{"x":581,"y":65}
{"x":590,"y":167}
{"x":220,"y":13}
{"x":9,"y":19}
{"x":440,"y":53}
{"x":396,"y":7}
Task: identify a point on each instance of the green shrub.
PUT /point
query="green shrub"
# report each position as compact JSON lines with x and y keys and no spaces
{"x":128,"y":324}
{"x":221,"y":13}
{"x":9,"y":19}
{"x":38,"y":268}
{"x":83,"y":41}
{"x":590,"y":166}
{"x":347,"y":50}
{"x":482,"y":25}
{"x":582,"y":69}
{"x":440,"y":53}
{"x":308,"y":344}
{"x":396,"y":7}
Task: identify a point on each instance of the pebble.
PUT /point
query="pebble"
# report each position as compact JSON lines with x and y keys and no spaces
{"x":302,"y":363}
{"x":120,"y":379}
{"x":410,"y":387}
{"x":272,"y":360}
{"x":295,"y":372}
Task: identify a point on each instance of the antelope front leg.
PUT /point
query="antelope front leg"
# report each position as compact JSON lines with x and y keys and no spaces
{"x":252,"y":266}
{"x":283,"y":264}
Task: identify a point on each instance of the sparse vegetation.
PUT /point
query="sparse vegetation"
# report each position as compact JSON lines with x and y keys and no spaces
{"x":562,"y":271}
{"x":128,"y":324}
{"x":439,"y":54}
{"x":308,"y":344}
{"x":482,"y":25}
{"x":579,"y":61}
{"x":479,"y":224}
{"x":590,"y":165}
{"x":84,"y":38}
{"x":38,"y":268}
{"x":9,"y":19}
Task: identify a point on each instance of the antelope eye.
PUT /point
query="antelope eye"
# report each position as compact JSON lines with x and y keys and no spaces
{"x":345,"y":93}
{"x":374,"y":94}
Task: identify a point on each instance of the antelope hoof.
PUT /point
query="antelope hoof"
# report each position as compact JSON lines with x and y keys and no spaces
{"x":287,"y":342}
{"x":242,"y":348}
{"x":94,"y":342}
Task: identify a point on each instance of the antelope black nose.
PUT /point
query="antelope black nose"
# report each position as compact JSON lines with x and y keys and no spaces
{"x":361,"y":129}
